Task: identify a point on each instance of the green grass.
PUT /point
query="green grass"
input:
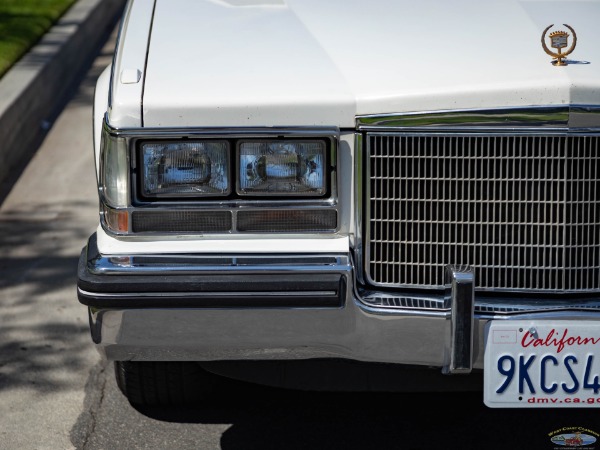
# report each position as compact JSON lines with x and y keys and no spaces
{"x":23,"y":23}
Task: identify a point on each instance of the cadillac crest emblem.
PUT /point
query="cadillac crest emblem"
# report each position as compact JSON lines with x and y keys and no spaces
{"x":559,"y":40}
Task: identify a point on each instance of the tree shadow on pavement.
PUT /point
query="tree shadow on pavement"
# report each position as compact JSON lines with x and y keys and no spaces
{"x":42,"y":360}
{"x":44,"y":332}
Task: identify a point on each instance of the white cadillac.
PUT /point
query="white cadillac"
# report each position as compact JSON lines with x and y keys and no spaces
{"x":349,"y":195}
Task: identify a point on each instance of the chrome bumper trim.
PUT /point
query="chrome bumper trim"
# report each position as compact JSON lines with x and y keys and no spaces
{"x":461,"y":282}
{"x":189,"y":281}
{"x":353,"y":332}
{"x":485,"y":306}
{"x":433,"y":331}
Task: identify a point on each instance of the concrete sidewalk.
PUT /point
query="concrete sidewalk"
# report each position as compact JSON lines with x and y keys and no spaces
{"x":33,"y":92}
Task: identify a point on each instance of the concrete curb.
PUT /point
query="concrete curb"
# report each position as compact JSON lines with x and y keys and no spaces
{"x":33,"y":91}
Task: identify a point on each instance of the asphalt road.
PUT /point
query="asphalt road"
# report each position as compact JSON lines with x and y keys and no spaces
{"x":56,"y":392}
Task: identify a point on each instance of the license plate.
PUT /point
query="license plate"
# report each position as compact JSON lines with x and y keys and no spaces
{"x":542,"y":363}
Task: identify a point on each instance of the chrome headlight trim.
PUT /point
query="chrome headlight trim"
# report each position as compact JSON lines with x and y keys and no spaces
{"x":131,"y":140}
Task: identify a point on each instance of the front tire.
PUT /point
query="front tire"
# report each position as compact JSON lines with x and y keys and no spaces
{"x":164,"y":383}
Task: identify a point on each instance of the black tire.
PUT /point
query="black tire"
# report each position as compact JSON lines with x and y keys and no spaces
{"x":162,"y":383}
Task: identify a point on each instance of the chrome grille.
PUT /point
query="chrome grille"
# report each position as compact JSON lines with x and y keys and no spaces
{"x":522,"y":210}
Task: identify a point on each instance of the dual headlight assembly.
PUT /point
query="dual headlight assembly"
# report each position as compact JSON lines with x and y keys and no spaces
{"x":262,"y":168}
{"x":218,"y":185}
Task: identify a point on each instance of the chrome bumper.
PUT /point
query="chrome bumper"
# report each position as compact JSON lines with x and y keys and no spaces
{"x":182,"y":307}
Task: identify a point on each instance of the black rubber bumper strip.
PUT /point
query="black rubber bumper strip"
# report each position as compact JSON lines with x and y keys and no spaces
{"x":231,"y":289}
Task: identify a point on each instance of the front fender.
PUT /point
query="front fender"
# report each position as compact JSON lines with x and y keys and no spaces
{"x":100,"y":108}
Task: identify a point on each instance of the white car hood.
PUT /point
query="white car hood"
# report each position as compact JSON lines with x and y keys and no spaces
{"x":313,"y":63}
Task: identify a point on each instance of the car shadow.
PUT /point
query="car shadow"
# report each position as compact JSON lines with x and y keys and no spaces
{"x":273,"y":418}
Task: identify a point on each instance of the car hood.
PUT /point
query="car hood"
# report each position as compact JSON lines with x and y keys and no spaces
{"x":313,"y":63}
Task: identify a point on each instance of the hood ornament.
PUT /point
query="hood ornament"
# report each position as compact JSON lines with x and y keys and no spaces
{"x":559,"y":40}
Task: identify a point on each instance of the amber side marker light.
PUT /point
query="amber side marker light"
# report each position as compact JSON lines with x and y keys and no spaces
{"x":116,"y":220}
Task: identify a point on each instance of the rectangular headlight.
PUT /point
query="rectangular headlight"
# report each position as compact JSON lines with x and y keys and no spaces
{"x":184,"y":169}
{"x":282,"y":167}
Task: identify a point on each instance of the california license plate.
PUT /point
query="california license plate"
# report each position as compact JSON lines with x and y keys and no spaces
{"x":539,"y":363}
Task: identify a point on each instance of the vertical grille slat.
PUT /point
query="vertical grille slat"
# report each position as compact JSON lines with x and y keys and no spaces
{"x":521,"y":210}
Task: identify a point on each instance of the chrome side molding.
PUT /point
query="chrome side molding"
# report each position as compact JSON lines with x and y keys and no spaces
{"x":559,"y":117}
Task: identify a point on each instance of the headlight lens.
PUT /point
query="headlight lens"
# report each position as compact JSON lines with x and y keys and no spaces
{"x":175,"y":169}
{"x":282,"y":167}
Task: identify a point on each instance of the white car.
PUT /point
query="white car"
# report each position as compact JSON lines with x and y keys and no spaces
{"x":345,"y":195}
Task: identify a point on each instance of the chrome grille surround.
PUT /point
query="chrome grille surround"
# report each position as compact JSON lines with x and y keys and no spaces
{"x":519,"y":203}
